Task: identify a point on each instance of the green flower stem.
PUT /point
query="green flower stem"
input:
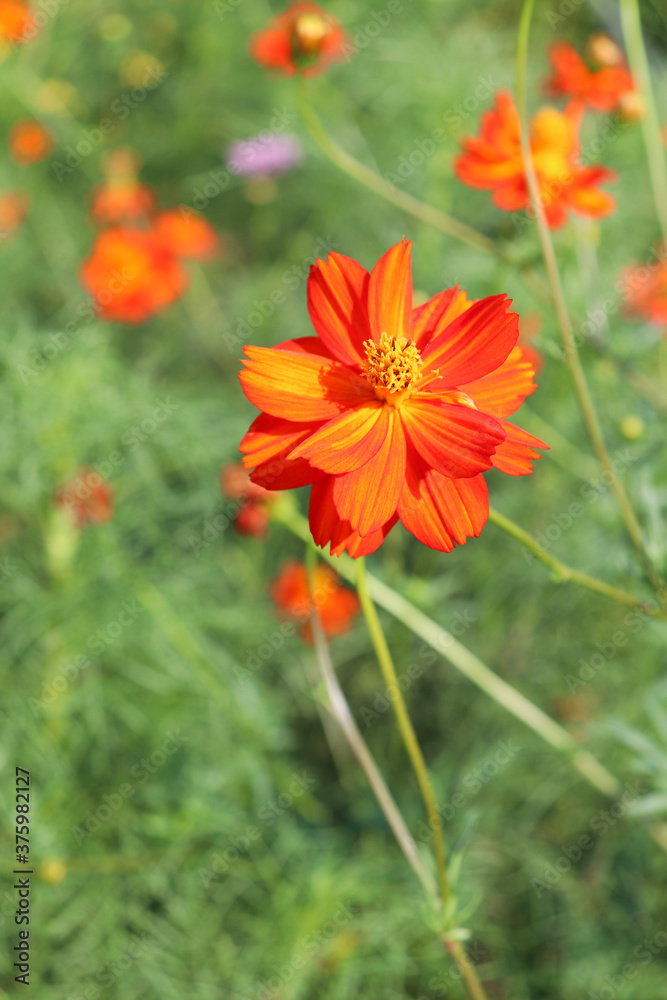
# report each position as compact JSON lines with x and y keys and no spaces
{"x":376,"y":183}
{"x":595,"y":773}
{"x":650,"y":122}
{"x":338,"y":707}
{"x":405,"y":726}
{"x":562,"y":572}
{"x":576,"y":370}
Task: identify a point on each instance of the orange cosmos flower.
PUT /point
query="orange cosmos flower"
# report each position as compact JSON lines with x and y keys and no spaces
{"x":252,"y":515}
{"x":605,"y":89}
{"x":132,"y":275}
{"x":187,"y":234}
{"x":390,"y":412}
{"x":494,"y":162}
{"x":29,"y":142}
{"x":645,"y":290}
{"x":13,"y":210}
{"x":88,"y":498}
{"x":16,"y":23}
{"x":336,"y":605}
{"x":302,"y":40}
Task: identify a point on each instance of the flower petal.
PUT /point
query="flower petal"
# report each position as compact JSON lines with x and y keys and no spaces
{"x":328,"y":529}
{"x":300,"y":386}
{"x":456,"y":440}
{"x":347,"y":441}
{"x":431,"y":319}
{"x":504,"y":390}
{"x":390,"y":293}
{"x":337,"y":303}
{"x":443,"y":512}
{"x":368,"y":497}
{"x":474,"y":344}
{"x":264,"y":448}
{"x":306,"y":345}
{"x":515,"y":455}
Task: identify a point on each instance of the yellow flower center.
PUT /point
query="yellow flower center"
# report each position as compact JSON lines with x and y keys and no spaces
{"x":394,"y":368}
{"x":308,"y":33}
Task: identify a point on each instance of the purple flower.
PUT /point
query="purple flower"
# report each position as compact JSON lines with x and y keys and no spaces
{"x":264,"y":154}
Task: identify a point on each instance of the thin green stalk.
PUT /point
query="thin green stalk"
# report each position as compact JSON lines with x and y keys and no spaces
{"x":470,"y":666}
{"x":405,"y":726}
{"x":336,"y":704}
{"x":411,"y":743}
{"x":364,"y":175}
{"x":565,"y":324}
{"x":562,"y":572}
{"x":650,"y":121}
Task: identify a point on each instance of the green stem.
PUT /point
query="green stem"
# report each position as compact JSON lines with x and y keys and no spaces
{"x":405,"y":726}
{"x":380,"y":186}
{"x":650,"y":122}
{"x":565,"y":324}
{"x":562,"y":572}
{"x":336,"y":704}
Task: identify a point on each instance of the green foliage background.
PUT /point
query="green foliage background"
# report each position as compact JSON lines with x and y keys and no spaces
{"x":323,"y":886}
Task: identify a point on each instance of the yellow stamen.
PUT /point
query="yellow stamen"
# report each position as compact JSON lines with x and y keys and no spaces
{"x":309,"y":32}
{"x":394,"y":368}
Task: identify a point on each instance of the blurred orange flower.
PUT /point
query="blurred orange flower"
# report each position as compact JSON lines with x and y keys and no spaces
{"x":121,"y":200}
{"x":494,"y":162}
{"x":645,"y":289}
{"x":603,"y":89}
{"x":187,"y":234}
{"x":304,"y":39}
{"x":13,"y":210}
{"x":87,"y":498}
{"x":29,"y":142}
{"x":336,"y":605}
{"x":132,"y":275}
{"x":252,"y":517}
{"x":392,"y":411}
{"x":16,"y":23}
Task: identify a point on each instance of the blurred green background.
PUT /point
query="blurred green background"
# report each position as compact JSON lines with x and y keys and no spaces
{"x":171,"y":895}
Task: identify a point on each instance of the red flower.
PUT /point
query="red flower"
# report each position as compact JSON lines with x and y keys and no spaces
{"x":187,"y":234}
{"x":29,"y":142}
{"x":13,"y":210}
{"x":16,"y":23}
{"x":603,"y":89}
{"x":88,"y":498}
{"x":494,"y":162}
{"x":336,"y":605}
{"x":390,"y":412}
{"x":252,"y":515}
{"x":132,"y":275}
{"x":304,"y":40}
{"x":645,"y":290}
